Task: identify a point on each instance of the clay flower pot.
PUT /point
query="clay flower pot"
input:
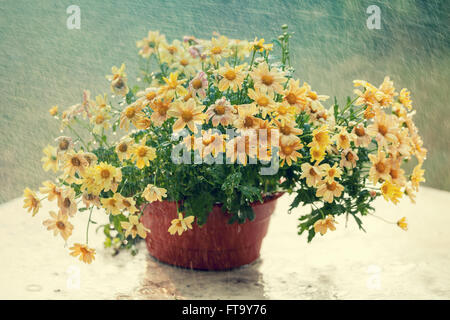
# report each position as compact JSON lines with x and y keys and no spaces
{"x":215,"y":246}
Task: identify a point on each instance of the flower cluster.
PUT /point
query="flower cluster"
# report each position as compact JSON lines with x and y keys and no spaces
{"x":229,"y":99}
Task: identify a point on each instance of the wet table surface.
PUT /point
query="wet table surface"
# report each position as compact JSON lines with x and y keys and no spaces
{"x":384,"y":263}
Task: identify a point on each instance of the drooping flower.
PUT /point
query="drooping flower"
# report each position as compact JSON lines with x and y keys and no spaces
{"x":59,"y":224}
{"x":391,"y":192}
{"x":142,"y":154}
{"x":188,"y":114}
{"x":134,"y":227}
{"x":67,"y":203}
{"x":118,"y":80}
{"x":268,"y":80}
{"x":329,"y":190}
{"x":86,"y":254}
{"x":181,"y":224}
{"x":90,"y":199}
{"x":152,"y":193}
{"x":405,"y":99}
{"x":417,"y":176}
{"x":31,"y":201}
{"x":52,"y":191}
{"x":403,"y":224}
{"x":322,"y":225}
{"x":220,"y":112}
{"x":233,"y":77}
{"x":50,"y":160}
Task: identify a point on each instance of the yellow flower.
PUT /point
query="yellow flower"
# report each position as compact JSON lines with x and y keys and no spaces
{"x":153,"y":193}
{"x":321,"y":139}
{"x":53,"y":110}
{"x":67,"y":203}
{"x":173,"y":86}
{"x":386,"y":93}
{"x":123,"y":148}
{"x":403,"y":224}
{"x":329,"y":190}
{"x":362,"y":138}
{"x":185,"y":64}
{"x":284,"y":111}
{"x":247,"y":119}
{"x":50,"y":161}
{"x":64,"y":144}
{"x":100,"y":119}
{"x":118,"y":80}
{"x":232,"y":77}
{"x":268,"y":80}
{"x":331,"y":172}
{"x":384,"y":129}
{"x":391,"y":192}
{"x":381,"y":167}
{"x":404,"y":98}
{"x":343,"y":139}
{"x":168,"y":52}
{"x":160,"y":108}
{"x":112,"y":205}
{"x":181,"y":224}
{"x":59,"y":224}
{"x":241,"y":147}
{"x":142,"y":154}
{"x":52,"y":191}
{"x":295,"y":96}
{"x":317,"y":153}
{"x":323,"y":225}
{"x":264,"y":101}
{"x":90,"y":199}
{"x":126,"y":203}
{"x":288,"y":150}
{"x":149,"y":45}
{"x":287,"y":128}
{"x":210,"y":142}
{"x":89,"y":182}
{"x":87,"y":255}
{"x":218,"y":49}
{"x":417,"y":176}
{"x":107,"y":176}
{"x":31,"y":201}
{"x":188,"y":114}
{"x":132,"y":114}
{"x":258,"y":45}
{"x":313,"y":174}
{"x":220,"y":112}
{"x":74,"y":163}
{"x":348,"y":159}
{"x":134,"y":227}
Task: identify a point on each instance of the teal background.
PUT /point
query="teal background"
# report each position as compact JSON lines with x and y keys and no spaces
{"x":42,"y":63}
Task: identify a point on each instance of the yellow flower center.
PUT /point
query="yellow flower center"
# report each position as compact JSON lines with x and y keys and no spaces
{"x":262,"y":101}
{"x":60,"y":225}
{"x":248,"y":122}
{"x":63,"y":145}
{"x":331,"y":172}
{"x":287,"y":150}
{"x":172,"y":49}
{"x":380,"y":167}
{"x":126,"y":203}
{"x":286,"y":130}
{"x":349,"y":156}
{"x":382,"y":129}
{"x":230,"y":75}
{"x":331,"y":186}
{"x":184,"y":62}
{"x":123,"y":147}
{"x":394,"y":173}
{"x":220,"y":110}
{"x":130,"y":112}
{"x":142,"y":151}
{"x":312,"y":172}
{"x":99,"y":119}
{"x":75,"y":162}
{"x":291,"y":98}
{"x":267,"y":79}
{"x":312,"y":95}
{"x":186,"y":115}
{"x":282,"y":110}
{"x":105,"y":173}
{"x":197,"y":84}
{"x":216,"y":50}
{"x":360,"y":132}
{"x":151,"y":95}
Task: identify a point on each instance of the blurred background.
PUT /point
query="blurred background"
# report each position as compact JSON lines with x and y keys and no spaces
{"x":43,"y":63}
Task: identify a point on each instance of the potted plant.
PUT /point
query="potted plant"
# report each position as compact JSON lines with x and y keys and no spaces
{"x":194,"y":157}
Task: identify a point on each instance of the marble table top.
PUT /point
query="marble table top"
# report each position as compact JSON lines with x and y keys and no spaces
{"x":384,"y":263}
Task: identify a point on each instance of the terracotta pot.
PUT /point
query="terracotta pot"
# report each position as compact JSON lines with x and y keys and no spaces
{"x":215,"y":246}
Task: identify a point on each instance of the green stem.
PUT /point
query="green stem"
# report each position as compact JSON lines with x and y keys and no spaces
{"x":87,"y":228}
